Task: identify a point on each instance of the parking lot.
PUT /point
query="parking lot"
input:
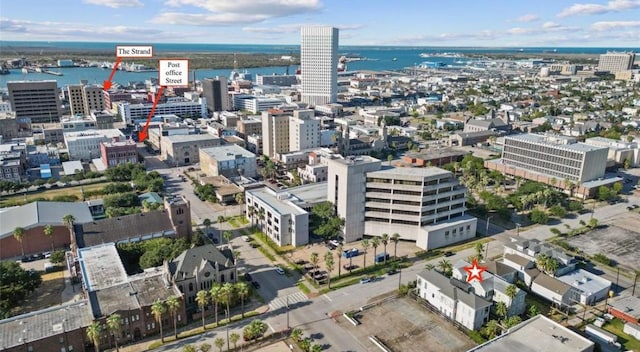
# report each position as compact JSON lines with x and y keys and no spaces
{"x":619,"y":240}
{"x":403,"y":325}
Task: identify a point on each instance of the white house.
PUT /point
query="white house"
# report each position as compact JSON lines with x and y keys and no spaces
{"x":454,"y":299}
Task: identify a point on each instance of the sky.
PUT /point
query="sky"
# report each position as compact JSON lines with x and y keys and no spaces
{"x":493,"y":23}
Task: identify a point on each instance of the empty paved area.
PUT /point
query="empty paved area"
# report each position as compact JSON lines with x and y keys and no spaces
{"x":404,"y":325}
{"x":620,"y":242}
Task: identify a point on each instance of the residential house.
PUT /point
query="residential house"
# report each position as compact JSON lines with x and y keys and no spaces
{"x":454,"y":299}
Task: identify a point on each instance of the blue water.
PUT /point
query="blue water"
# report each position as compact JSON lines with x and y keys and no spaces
{"x":380,"y":58}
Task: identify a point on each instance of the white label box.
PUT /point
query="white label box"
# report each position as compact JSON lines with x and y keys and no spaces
{"x":173,"y":72}
{"x":134,"y":51}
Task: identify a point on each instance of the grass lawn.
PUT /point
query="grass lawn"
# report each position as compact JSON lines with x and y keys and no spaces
{"x":615,"y":327}
{"x":18,"y":199}
{"x":47,"y":295}
{"x":542,"y":305}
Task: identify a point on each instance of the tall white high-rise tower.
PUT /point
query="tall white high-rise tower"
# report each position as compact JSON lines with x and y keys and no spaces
{"x":319,"y":64}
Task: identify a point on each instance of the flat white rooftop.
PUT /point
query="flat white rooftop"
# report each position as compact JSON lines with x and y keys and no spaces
{"x":101,"y":267}
{"x":537,"y":334}
{"x":422,"y":172}
{"x":585,"y":281}
{"x":281,"y":205}
{"x":560,"y":142}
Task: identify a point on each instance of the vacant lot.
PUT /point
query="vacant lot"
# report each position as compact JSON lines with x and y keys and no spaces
{"x":47,"y":295}
{"x":620,"y":242}
{"x":403,"y":325}
{"x":51,"y":193}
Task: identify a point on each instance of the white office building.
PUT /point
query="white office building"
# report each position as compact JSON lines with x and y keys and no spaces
{"x":304,"y":130}
{"x":616,"y":61}
{"x":85,"y":145}
{"x":319,"y":64}
{"x":178,"y":106}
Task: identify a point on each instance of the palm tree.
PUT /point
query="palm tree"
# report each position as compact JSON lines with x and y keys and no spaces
{"x":158,"y":309}
{"x":207,"y":224}
{"x":552,"y":266}
{"x":69,"y":220}
{"x":445,"y":267}
{"x":261,"y":217}
{"x":239,"y":198}
{"x":541,"y":262}
{"x":220,"y":220}
{"x":491,"y":329}
{"x":296,"y":334}
{"x":512,"y":292}
{"x":227,"y":236}
{"x":188,"y":348}
{"x":395,"y":238}
{"x":205,"y":347}
{"x":501,"y":310}
{"x":479,"y":248}
{"x":114,"y":325}
{"x":365,"y":246}
{"x":251,"y":212}
{"x":227,"y":292}
{"x":234,"y":338}
{"x":339,"y":249}
{"x":385,"y":241}
{"x":313,"y":258}
{"x":219,"y":342}
{"x":216,"y":294}
{"x":375,"y":242}
{"x":328,"y":261}
{"x":48,"y":231}
{"x":93,"y":333}
{"x":429,"y":266}
{"x":533,"y":310}
{"x":202,"y":298}
{"x":242,"y":289}
{"x":316,"y":348}
{"x":173,"y":304}
{"x":18,"y":234}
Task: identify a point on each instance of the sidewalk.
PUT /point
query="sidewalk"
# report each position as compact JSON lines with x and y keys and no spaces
{"x":71,"y":293}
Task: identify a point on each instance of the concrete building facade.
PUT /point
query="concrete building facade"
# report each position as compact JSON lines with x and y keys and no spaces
{"x":275,"y":133}
{"x":319,"y":64}
{"x":217,"y":94}
{"x":118,"y":152}
{"x":85,"y":145}
{"x":36,"y":100}
{"x":229,"y":161}
{"x":616,"y":61}
{"x":304,"y":130}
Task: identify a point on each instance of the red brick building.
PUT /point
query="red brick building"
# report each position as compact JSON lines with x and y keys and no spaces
{"x":118,"y":152}
{"x":627,"y":309}
{"x":33,"y":218}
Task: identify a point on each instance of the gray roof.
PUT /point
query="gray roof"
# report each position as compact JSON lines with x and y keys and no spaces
{"x":520,"y":260}
{"x":41,"y":214}
{"x":227,"y":152}
{"x":475,"y":134}
{"x":498,"y":268}
{"x":556,"y":141}
{"x":182,"y":138}
{"x":495,"y":122}
{"x":552,"y":284}
{"x":124,"y":228}
{"x":185,"y":265}
{"x":453,"y":288}
{"x":412,"y":172}
{"x":628,"y":305}
{"x":44,"y":323}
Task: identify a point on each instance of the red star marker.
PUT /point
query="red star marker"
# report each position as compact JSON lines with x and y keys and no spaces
{"x":474,"y":271}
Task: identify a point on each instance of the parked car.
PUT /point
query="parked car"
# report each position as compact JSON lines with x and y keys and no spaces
{"x":367,"y":279}
{"x":247,"y":276}
{"x":392,"y":271}
{"x":246,"y":238}
{"x":279,"y":270}
{"x":448,"y":253}
{"x":255,"y":284}
{"x":350,"y":267}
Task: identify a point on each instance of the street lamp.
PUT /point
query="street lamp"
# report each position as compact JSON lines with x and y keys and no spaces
{"x":486,"y":232}
{"x":518,"y":229}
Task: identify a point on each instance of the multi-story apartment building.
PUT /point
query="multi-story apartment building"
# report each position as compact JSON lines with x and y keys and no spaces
{"x":304,"y":130}
{"x":275,"y":133}
{"x":454,"y":299}
{"x":544,"y":158}
{"x":36,"y":100}
{"x":248,"y":126}
{"x":616,"y":61}
{"x":92,"y":99}
{"x":284,"y":216}
{"x":178,"y":106}
{"x":216,"y":92}
{"x":76,"y":103}
{"x":85,"y":145}
{"x":319,"y":64}
{"x":228,"y":160}
{"x":118,"y":152}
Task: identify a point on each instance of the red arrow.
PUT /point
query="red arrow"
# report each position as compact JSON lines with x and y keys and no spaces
{"x":106,"y":85}
{"x":142,"y":135}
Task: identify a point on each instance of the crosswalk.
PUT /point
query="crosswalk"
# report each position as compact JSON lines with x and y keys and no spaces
{"x":280,"y":302}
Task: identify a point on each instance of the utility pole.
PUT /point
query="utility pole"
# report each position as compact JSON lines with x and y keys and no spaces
{"x":486,"y":232}
{"x":399,"y":278}
{"x":617,"y":278}
{"x":288,"y":313}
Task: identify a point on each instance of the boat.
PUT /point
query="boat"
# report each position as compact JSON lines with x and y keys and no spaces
{"x":432,"y":64}
{"x":394,"y":59}
{"x":25,"y":70}
{"x":104,"y":65}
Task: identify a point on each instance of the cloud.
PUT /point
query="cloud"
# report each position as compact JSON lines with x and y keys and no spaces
{"x":598,"y":9}
{"x":115,"y":3}
{"x":212,"y":19}
{"x":608,"y":25}
{"x":295,"y":28}
{"x":527,"y":18}
{"x":545,"y":28}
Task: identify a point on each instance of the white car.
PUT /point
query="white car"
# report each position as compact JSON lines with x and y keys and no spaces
{"x":279,"y":270}
{"x":246,"y":238}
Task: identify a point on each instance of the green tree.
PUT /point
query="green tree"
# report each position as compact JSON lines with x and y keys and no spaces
{"x":202,"y":299}
{"x":539,"y":216}
{"x":313,"y":258}
{"x":57,"y":257}
{"x":216,"y":298}
{"x":227,"y":236}
{"x":593,"y":223}
{"x":296,"y":334}
{"x":234,"y":338}
{"x":491,"y":329}
{"x":227,"y":296}
{"x":173,"y":304}
{"x":242,"y":289}
{"x":18,"y":234}
{"x":157,"y":310}
{"x":339,"y":250}
{"x":15,"y":284}
{"x":315,"y":348}
{"x":69,"y":220}
{"x":114,"y":326}
{"x":429,"y":266}
{"x":219,"y":342}
{"x":512,"y":292}
{"x":512,"y":321}
{"x":395,"y":238}
{"x":48,"y":231}
{"x":94,"y":330}
{"x":329,"y":263}
{"x":205,"y":347}
{"x":479,"y":248}
{"x":533,"y":311}
{"x":188,"y":348}
{"x":207,"y":224}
